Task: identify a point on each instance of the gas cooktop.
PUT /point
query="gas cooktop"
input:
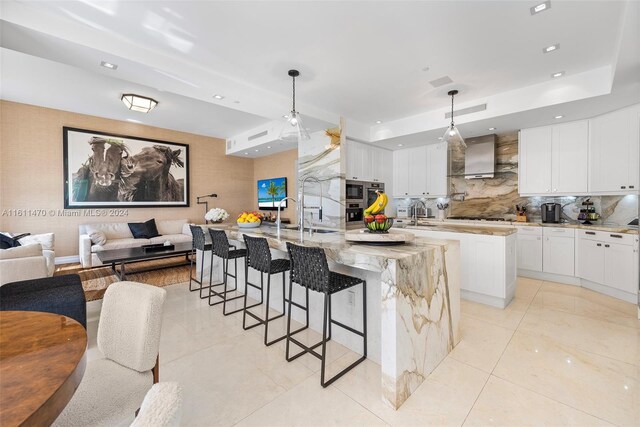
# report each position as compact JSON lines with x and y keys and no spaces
{"x":474,"y":218}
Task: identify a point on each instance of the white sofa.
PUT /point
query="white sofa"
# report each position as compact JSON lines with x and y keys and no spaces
{"x":118,"y":236}
{"x":24,"y":263}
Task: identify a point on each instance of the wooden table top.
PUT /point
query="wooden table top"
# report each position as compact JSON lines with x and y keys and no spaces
{"x":42,"y":360}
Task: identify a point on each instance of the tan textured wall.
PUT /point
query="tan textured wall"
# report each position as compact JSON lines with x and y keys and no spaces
{"x":275,"y":166}
{"x":31,"y":172}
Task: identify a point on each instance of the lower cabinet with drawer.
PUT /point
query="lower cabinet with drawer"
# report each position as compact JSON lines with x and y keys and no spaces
{"x":609,"y":260}
{"x":558,"y":251}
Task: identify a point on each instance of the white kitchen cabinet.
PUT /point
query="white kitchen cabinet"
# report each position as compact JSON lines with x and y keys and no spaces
{"x":558,"y":251}
{"x":418,"y":171}
{"x":553,"y":159}
{"x":365,"y":162}
{"x":401,"y":173}
{"x":590,"y":260}
{"x":614,"y":141}
{"x":529,"y":251}
{"x":534,"y":160}
{"x":569,"y":158}
{"x":421,"y":171}
{"x":619,"y":270}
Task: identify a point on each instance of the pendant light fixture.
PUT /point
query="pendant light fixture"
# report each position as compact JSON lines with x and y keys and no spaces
{"x":452,"y":135}
{"x":293,"y":130}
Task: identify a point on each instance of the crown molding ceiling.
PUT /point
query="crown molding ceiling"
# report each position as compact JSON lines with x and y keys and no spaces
{"x":364,"y":69}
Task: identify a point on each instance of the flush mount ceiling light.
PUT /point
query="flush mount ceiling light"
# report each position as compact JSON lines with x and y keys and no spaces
{"x":452,"y":134}
{"x":109,"y":65}
{"x":540,"y":8}
{"x":551,"y":48}
{"x":558,"y":117}
{"x":558,"y":74}
{"x":400,"y":145}
{"x":138,"y":103}
{"x":216,"y":96}
{"x":293,"y":130}
{"x":492,"y":128}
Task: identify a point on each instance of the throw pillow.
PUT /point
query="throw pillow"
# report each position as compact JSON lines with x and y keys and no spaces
{"x":7,"y":240}
{"x":139,"y":230}
{"x":152,"y":230}
{"x":98,"y":237}
{"x":47,"y":240}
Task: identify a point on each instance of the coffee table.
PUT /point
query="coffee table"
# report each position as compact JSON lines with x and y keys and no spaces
{"x":131,"y":255}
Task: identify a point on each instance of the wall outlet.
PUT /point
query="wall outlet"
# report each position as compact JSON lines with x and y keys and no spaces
{"x":351,"y":298}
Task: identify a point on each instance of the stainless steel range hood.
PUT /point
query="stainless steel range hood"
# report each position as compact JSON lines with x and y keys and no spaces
{"x":480,"y":157}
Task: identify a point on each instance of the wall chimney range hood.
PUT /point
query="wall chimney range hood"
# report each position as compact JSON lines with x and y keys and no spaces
{"x":480,"y":157}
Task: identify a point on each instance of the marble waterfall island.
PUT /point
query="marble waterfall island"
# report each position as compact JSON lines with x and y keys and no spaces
{"x":413,"y":301}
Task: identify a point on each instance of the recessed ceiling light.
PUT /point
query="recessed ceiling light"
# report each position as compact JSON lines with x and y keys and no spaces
{"x":558,"y":74}
{"x":540,"y":8}
{"x":257,"y":150}
{"x":216,"y":96}
{"x":269,"y":147}
{"x":440,"y":138}
{"x":246,"y":153}
{"x":378,"y":122}
{"x":400,"y":145}
{"x":492,"y":128}
{"x":558,"y":117}
{"x":286,"y":116}
{"x":109,"y":65}
{"x":551,"y":48}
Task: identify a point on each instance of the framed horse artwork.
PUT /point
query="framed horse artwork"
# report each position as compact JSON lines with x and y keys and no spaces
{"x":105,"y":170}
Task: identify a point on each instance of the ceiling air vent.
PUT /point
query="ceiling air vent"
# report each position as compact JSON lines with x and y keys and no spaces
{"x":464,"y":111}
{"x":258,"y":135}
{"x":230,"y":143}
{"x":441,"y":81}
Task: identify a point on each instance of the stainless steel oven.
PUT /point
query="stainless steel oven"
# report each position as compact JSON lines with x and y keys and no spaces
{"x":354,"y":215}
{"x":355,"y":191}
{"x":370,"y":194}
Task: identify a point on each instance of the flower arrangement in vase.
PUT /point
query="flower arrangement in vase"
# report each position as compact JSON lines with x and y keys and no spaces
{"x":216,"y":215}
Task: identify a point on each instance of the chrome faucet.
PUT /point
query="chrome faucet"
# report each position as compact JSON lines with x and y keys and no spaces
{"x":278,"y":223}
{"x":415,"y":210}
{"x":301,"y":206}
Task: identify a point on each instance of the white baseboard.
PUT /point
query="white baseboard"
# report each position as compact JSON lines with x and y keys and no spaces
{"x":484,"y":299}
{"x":67,"y":259}
{"x":612,"y":292}
{"x":539,"y":275}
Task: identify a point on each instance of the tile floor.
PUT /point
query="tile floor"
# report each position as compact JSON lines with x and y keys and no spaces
{"x":558,"y":355}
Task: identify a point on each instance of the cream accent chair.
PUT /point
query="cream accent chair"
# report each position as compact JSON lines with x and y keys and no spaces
{"x":22,"y":263}
{"x":162,"y":407}
{"x":113,"y":388}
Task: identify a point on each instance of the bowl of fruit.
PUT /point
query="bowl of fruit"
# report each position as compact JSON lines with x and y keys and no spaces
{"x":378,"y":223}
{"x":249,"y":220}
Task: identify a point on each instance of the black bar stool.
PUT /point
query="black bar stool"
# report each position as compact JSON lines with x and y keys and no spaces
{"x":259,"y":258}
{"x":222,"y":248}
{"x":198,"y":244}
{"x":309,"y":268}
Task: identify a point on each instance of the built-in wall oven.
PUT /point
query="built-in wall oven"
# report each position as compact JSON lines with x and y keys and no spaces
{"x":355,"y":191}
{"x":360,"y":195}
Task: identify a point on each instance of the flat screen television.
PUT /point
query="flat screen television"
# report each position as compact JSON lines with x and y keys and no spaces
{"x":271,"y":192}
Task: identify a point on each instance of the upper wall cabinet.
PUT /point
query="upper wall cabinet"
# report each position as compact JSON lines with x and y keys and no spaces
{"x":613,"y":152}
{"x":421,"y":171}
{"x":553,"y":159}
{"x":368,"y":163}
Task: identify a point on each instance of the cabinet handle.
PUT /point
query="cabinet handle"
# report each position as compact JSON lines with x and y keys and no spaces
{"x":599,"y":244}
{"x":606,"y":246}
{"x":623,"y":187}
{"x":592,"y":233}
{"x":617,"y":236}
{"x":632,"y":186}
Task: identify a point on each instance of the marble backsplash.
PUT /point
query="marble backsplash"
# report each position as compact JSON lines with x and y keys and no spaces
{"x":497,"y":197}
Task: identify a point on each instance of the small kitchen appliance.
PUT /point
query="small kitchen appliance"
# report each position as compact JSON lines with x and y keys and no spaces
{"x":550,"y":212}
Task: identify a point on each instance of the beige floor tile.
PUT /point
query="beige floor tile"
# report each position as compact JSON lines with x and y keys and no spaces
{"x":599,"y":386}
{"x":593,"y":335}
{"x":583,"y":302}
{"x":510,"y":316}
{"x":502,"y":403}
{"x":226,"y":382}
{"x":481,"y":343}
{"x":444,"y":398}
{"x":309,"y":404}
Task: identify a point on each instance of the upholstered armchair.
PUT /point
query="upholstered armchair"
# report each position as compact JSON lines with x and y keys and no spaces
{"x":162,"y":406}
{"x":113,"y":388}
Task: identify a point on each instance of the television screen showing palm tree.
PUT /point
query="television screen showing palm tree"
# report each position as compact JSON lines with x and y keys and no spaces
{"x":271,"y":192}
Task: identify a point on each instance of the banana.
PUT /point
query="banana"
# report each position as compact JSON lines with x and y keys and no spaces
{"x":374,"y":206}
{"x":380,"y":203}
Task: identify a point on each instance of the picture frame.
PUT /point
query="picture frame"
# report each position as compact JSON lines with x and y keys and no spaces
{"x":270,"y":192}
{"x":108,"y":170}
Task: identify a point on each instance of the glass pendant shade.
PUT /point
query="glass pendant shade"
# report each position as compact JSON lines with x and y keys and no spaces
{"x":138,"y":103}
{"x":293,"y":129}
{"x":452,"y":136}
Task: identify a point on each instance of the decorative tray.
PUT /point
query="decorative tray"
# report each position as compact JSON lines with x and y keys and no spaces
{"x":392,"y":237}
{"x":157,"y":247}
